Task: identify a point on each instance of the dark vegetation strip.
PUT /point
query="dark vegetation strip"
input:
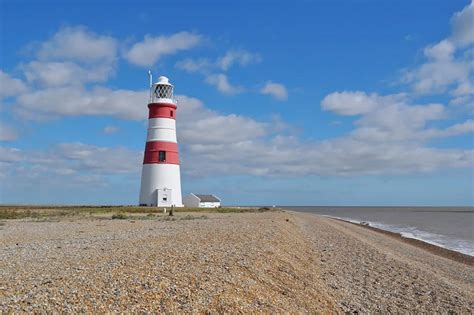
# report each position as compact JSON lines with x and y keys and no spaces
{"x":21,"y":212}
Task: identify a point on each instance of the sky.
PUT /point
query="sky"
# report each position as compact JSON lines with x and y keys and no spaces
{"x":286,"y":103}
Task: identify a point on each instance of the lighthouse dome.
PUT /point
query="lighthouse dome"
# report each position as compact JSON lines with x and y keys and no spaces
{"x":163,"y":80}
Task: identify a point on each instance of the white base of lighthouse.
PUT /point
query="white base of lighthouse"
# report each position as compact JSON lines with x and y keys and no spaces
{"x":161,"y":185}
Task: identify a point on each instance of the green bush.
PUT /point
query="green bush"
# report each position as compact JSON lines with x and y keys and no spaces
{"x":119,"y":216}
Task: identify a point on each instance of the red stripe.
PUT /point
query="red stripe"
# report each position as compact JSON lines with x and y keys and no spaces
{"x":152,"y":152}
{"x":162,"y":110}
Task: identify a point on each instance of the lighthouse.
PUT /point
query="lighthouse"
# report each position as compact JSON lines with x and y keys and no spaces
{"x":161,"y":179}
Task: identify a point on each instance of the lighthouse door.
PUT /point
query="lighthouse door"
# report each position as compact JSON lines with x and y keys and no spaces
{"x":164,"y":197}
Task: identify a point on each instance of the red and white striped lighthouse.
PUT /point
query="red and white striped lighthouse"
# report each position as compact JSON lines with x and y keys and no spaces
{"x":161,"y":179}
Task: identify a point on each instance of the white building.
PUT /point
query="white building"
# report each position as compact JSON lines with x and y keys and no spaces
{"x":201,"y":201}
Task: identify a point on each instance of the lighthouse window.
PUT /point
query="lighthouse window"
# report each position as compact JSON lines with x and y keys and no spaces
{"x":164,"y":91}
{"x":161,"y":156}
{"x":171,"y":113}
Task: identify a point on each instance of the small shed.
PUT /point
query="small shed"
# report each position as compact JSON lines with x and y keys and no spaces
{"x":201,"y":201}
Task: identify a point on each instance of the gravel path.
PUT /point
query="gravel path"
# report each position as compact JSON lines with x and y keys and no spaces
{"x":272,"y":262}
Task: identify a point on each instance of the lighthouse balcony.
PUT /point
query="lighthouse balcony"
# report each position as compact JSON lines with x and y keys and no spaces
{"x":164,"y":100}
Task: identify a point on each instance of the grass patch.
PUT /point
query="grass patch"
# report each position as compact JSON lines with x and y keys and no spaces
{"x":191,"y":217}
{"x":41,"y":212}
{"x":185,"y":218}
{"x":37,"y":212}
{"x":119,"y":216}
{"x":21,"y":213}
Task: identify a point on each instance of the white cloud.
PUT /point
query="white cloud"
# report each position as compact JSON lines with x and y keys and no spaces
{"x":99,"y":101}
{"x":277,"y":90}
{"x":108,"y":130}
{"x":69,"y":164}
{"x":220,"y":129}
{"x":10,"y":159}
{"x":193,"y":66}
{"x":72,"y":56}
{"x":147,"y":52}
{"x":454,"y":130}
{"x":188,"y":105}
{"x":7,"y":132}
{"x":287,"y":156}
{"x":221,"y":82}
{"x":10,"y":86}
{"x":463,"y":103}
{"x":8,"y":155}
{"x":450,"y":64}
{"x":461,"y":128}
{"x":194,"y":121}
{"x":223,"y":63}
{"x":440,"y":75}
{"x":390,"y":118}
{"x":208,"y":68}
{"x":75,"y":101}
{"x":400,"y":115}
{"x":444,"y":50}
{"x":354,"y":103}
{"x":463,"y":26}
{"x":65,"y":73}
{"x":241,"y":57}
{"x":100,"y":160}
{"x":79,"y":44}
{"x":460,"y":100}
{"x":389,"y":139}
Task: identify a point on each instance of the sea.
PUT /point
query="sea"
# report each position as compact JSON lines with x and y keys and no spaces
{"x":448,"y":227}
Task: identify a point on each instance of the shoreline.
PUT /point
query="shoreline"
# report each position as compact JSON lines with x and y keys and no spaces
{"x":435,"y":249}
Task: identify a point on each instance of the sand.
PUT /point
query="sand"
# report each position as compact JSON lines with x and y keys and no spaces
{"x":274,"y":262}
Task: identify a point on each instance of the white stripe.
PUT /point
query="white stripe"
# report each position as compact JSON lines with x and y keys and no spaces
{"x":162,"y":129}
{"x":162,"y":122}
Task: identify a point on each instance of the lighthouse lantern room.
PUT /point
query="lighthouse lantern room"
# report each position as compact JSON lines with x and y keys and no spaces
{"x":161,"y":179}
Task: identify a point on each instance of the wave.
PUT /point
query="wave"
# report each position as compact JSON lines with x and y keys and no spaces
{"x":461,"y":246}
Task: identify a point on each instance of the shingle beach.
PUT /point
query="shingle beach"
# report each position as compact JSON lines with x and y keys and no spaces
{"x":272,"y":262}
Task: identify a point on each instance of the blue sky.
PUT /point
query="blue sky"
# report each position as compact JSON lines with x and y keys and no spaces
{"x":302,"y":103}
